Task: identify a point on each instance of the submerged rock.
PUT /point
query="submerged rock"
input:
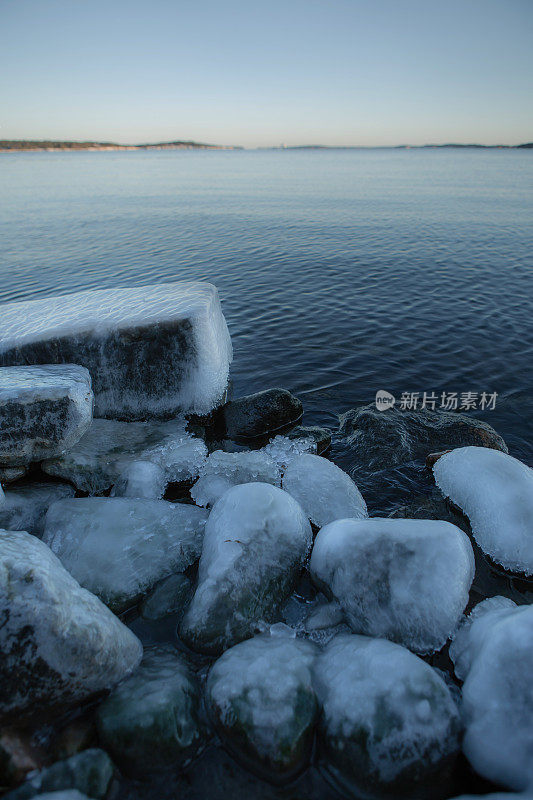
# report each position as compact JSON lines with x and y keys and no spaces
{"x":324,"y":491}
{"x":44,"y":410}
{"x":58,"y":643}
{"x":222,"y":470}
{"x":109,"y":449}
{"x":389,"y":725}
{"x":26,"y":505}
{"x":256,"y":540}
{"x":90,"y":772}
{"x":260,"y":694}
{"x":381,"y":439}
{"x":495,"y":491}
{"x":169,"y":597}
{"x":151,"y":350}
{"x":406,"y":580}
{"x":152,"y":720}
{"x":119,"y":547}
{"x":258,"y":414}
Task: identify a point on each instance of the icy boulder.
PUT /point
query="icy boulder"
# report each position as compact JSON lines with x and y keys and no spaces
{"x":260,"y":694}
{"x":151,"y":350}
{"x":152,"y":720}
{"x":26,"y":505}
{"x":58,"y":642}
{"x":389,"y":725}
{"x":106,"y":454}
{"x":224,"y":470}
{"x":256,"y":540}
{"x":402,"y":579}
{"x":43,"y":411}
{"x":493,"y":651}
{"x":119,"y":547}
{"x":495,"y":491}
{"x":324,"y":491}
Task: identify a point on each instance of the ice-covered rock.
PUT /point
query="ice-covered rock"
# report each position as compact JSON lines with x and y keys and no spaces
{"x":284,"y":449}
{"x":222,"y":470}
{"x":169,"y":597}
{"x":256,"y":540}
{"x":26,"y":505}
{"x":151,"y":350}
{"x":493,"y":651}
{"x":258,"y":414}
{"x":141,"y":479}
{"x":44,"y":411}
{"x":321,"y":437}
{"x":152,"y":720}
{"x":402,"y":579}
{"x":324,"y":491}
{"x":119,"y":547}
{"x":260,"y":695}
{"x":89,"y":772}
{"x":495,"y":491}
{"x":58,"y":642}
{"x":389,"y":725}
{"x":105,"y":454}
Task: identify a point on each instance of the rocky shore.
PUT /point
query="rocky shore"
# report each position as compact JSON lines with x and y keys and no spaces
{"x":196,"y":601}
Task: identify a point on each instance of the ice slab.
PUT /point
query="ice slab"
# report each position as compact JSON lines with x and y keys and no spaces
{"x":26,"y":505}
{"x":151,"y":350}
{"x":119,"y":547}
{"x":44,"y":410}
{"x":324,"y":491}
{"x":58,"y":642}
{"x":223,"y":470}
{"x":495,"y":491}
{"x":402,"y":579}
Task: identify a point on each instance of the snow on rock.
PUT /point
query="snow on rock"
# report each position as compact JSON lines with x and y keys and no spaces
{"x":324,"y":491}
{"x":105,"y":454}
{"x":256,"y":540}
{"x":26,"y":505}
{"x":495,"y":491}
{"x":402,"y":579}
{"x":389,"y":724}
{"x":152,"y":720}
{"x":141,"y":479}
{"x":89,"y":772}
{"x":223,"y":470}
{"x":493,"y":651}
{"x":44,"y":410}
{"x":58,"y":642}
{"x":260,"y":694}
{"x":119,"y":547}
{"x":151,"y":350}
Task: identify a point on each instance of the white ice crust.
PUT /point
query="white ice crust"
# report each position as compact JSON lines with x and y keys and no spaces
{"x":324,"y":491}
{"x":495,"y":491}
{"x":141,"y":479}
{"x":223,"y":470}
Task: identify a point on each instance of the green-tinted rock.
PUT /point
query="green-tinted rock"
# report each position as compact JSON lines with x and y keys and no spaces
{"x":89,"y":772}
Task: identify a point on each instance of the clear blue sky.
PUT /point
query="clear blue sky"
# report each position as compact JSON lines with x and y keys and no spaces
{"x":363,"y":72}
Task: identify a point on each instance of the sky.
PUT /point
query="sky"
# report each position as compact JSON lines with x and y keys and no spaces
{"x":242,"y":72}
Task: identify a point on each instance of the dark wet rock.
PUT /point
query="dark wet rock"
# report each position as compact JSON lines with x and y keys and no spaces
{"x":26,"y":505}
{"x":58,"y":643}
{"x":432,"y":458}
{"x":152,"y":720}
{"x":44,"y":411}
{"x":18,"y":756}
{"x":260,"y":695}
{"x":170,"y":596}
{"x":12,"y":474}
{"x":258,"y":414}
{"x":381,"y":439}
{"x":321,"y":436}
{"x":431,"y":506}
{"x":90,"y":772}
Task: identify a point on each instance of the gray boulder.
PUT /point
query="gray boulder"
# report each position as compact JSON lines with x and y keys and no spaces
{"x":89,"y":772}
{"x":258,"y":414}
{"x":44,"y":411}
{"x":26,"y":505}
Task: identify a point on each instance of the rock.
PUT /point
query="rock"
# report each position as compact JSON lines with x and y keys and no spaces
{"x":381,"y":439}
{"x":26,"y":505}
{"x":58,"y":643}
{"x":260,"y":694}
{"x":119,"y":547}
{"x":18,"y":756}
{"x":152,"y":720}
{"x":169,"y":597}
{"x":44,"y":411}
{"x":151,"y":350}
{"x":224,"y":470}
{"x":90,"y":772}
{"x":495,"y":491}
{"x":109,"y":448}
{"x":320,"y":436}
{"x":256,"y":540}
{"x":405,"y":580}
{"x":432,"y":458}
{"x":389,"y":725}
{"x":12,"y":474}
{"x":257,"y":414}
{"x":324,"y":491}
{"x":493,"y":651}
{"x":141,"y":479}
